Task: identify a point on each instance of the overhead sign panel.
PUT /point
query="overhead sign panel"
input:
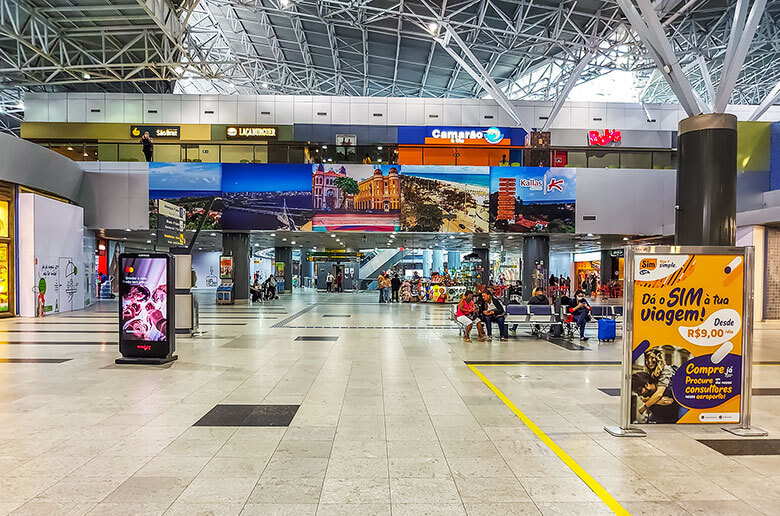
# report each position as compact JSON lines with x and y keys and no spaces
{"x":170,"y":224}
{"x":155,"y":131}
{"x":251,"y":132}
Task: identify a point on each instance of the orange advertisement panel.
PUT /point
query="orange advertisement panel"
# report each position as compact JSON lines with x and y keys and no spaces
{"x":687,"y":338}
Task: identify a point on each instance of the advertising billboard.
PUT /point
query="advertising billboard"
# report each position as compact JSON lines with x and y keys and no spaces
{"x":146,"y":326}
{"x":687,"y":342}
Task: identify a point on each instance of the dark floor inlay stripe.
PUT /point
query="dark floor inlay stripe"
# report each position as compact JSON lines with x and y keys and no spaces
{"x":541,"y":362}
{"x":294,"y":316}
{"x":312,"y":338}
{"x":609,"y":391}
{"x":337,"y":315}
{"x":743,"y":446}
{"x":249,"y":415}
{"x":34,"y":360}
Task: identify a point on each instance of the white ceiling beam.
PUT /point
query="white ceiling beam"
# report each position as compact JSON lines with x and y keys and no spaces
{"x":574,"y":76}
{"x":649,"y":30}
{"x":769,"y":100}
{"x":733,"y":63}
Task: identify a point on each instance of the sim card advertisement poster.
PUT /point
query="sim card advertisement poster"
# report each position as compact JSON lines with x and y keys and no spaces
{"x":146,"y":325}
{"x":687,"y":338}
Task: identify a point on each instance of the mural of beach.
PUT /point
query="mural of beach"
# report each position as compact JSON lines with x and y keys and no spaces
{"x":445,"y":198}
{"x":532,"y":199}
{"x":190,"y":185}
{"x":266,"y":196}
{"x":353,"y":197}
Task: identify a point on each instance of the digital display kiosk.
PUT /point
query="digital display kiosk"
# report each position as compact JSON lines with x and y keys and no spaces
{"x":146,"y":308}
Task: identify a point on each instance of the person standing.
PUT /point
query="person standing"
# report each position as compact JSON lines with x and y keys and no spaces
{"x":380,"y":286}
{"x":387,"y":287}
{"x":339,"y":280}
{"x":329,"y":282}
{"x":395,"y":285}
{"x":147,"y":146}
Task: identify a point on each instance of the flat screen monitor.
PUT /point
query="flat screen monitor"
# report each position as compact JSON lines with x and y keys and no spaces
{"x":146,"y":328}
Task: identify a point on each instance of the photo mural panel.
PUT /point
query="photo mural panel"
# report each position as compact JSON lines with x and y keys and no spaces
{"x":189,"y":185}
{"x":532,"y":199}
{"x":445,"y":198}
{"x":353,"y":197}
{"x":267,"y":196}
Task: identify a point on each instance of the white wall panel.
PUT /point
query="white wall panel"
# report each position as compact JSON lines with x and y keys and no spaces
{"x":77,"y":110}
{"x":596,"y":111}
{"x":434,"y":112}
{"x":563,"y":119}
{"x":377,"y":106}
{"x":58,"y":108}
{"x":302,"y":111}
{"x":247,"y":112}
{"x":321,"y":112}
{"x":339,"y":111}
{"x":115,"y":110}
{"x":284,"y":110}
{"x":209,"y":109}
{"x":470,"y":113}
{"x":266,"y":110}
{"x":228,"y":111}
{"x":396,"y":111}
{"x":415,"y":113}
{"x":36,"y":107}
{"x":190,"y":111}
{"x":134,"y":111}
{"x":171,"y":111}
{"x":616,"y":118}
{"x":358,"y":112}
{"x":488,"y":114}
{"x":96,"y":107}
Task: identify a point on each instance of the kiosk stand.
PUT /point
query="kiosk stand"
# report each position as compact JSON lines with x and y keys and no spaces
{"x":146,"y":309}
{"x":689,"y":332}
{"x":225,"y":289}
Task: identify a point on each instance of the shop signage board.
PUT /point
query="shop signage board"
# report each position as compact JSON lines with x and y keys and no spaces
{"x":607,"y":137}
{"x":226,"y":267}
{"x":467,"y":135}
{"x":251,"y":132}
{"x":170,"y":224}
{"x":155,"y":131}
{"x":687,"y":338}
{"x":146,"y":308}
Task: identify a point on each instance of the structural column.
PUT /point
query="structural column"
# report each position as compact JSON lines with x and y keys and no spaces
{"x":237,"y":246}
{"x":307,"y":267}
{"x":536,"y":252}
{"x":483,"y":276}
{"x":453,"y":259}
{"x":607,"y":269}
{"x":427,"y":258}
{"x":438,"y":260}
{"x":706,"y":210}
{"x":284,"y":255}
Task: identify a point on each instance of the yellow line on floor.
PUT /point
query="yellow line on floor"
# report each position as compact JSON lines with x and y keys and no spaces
{"x":562,"y":364}
{"x":602,"y":493}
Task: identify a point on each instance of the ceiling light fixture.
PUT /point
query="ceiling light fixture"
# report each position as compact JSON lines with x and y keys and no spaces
{"x":70,"y":148}
{"x":433,"y":26}
{"x":86,"y":75}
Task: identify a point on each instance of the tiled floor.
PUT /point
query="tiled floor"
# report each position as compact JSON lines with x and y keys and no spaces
{"x":391,"y":420}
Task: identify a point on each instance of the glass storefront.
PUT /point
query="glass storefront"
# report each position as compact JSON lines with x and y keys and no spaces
{"x":6,"y":250}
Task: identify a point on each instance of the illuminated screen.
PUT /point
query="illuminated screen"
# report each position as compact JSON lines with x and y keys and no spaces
{"x":143,"y":290}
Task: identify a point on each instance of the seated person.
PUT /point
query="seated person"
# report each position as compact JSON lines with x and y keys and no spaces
{"x":491,"y":309}
{"x":516,"y":293}
{"x":658,"y":401}
{"x":579,"y":308}
{"x":467,"y":315}
{"x":256,"y":289}
{"x":538,"y":299}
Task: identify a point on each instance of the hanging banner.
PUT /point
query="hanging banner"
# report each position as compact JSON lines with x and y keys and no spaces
{"x":687,"y":337}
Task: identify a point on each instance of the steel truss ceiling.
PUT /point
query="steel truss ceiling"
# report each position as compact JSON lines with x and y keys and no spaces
{"x":519,"y":49}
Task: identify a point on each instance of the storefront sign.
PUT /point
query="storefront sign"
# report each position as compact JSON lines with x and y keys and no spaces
{"x":605,"y":138}
{"x":168,"y":131}
{"x":466,"y":135}
{"x":251,"y":132}
{"x":687,"y":337}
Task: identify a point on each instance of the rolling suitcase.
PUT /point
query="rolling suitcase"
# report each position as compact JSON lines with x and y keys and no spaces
{"x":606,"y":329}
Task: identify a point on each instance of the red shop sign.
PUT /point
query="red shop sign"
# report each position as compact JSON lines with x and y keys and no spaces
{"x":609,"y":136}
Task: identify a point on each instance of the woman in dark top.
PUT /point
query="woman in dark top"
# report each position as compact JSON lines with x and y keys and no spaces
{"x":491,"y":309}
{"x":148,"y":145}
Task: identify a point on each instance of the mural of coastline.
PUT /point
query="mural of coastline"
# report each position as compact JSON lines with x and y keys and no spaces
{"x":532,"y":199}
{"x":267,"y":196}
{"x":445,"y":198}
{"x":190,"y":185}
{"x":353,"y":197}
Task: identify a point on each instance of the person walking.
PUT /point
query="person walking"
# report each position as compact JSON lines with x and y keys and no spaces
{"x":147,"y":146}
{"x":395,"y":285}
{"x":329,"y":282}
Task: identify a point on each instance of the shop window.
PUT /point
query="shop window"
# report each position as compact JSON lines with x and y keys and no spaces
{"x":167,"y":152}
{"x":603,"y":159}
{"x":108,"y":152}
{"x":130,"y":152}
{"x":6,"y":250}
{"x":576,"y":159}
{"x":638,"y":159}
{"x":260,"y":154}
{"x":664,"y":159}
{"x":237,"y":153}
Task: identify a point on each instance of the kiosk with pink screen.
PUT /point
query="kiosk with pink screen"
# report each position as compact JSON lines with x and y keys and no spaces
{"x":146,"y":326}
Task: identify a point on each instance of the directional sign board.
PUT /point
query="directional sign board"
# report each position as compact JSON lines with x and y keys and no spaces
{"x":170,"y":224}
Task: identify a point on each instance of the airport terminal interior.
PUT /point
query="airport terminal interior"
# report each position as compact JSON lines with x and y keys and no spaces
{"x":425,"y":257}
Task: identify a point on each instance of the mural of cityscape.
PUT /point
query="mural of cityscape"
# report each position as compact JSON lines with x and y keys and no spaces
{"x":190,"y":185}
{"x":354,"y":197}
{"x":532,"y":199}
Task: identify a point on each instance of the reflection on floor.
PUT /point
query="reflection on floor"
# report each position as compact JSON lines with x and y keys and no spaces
{"x":384,"y":419}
